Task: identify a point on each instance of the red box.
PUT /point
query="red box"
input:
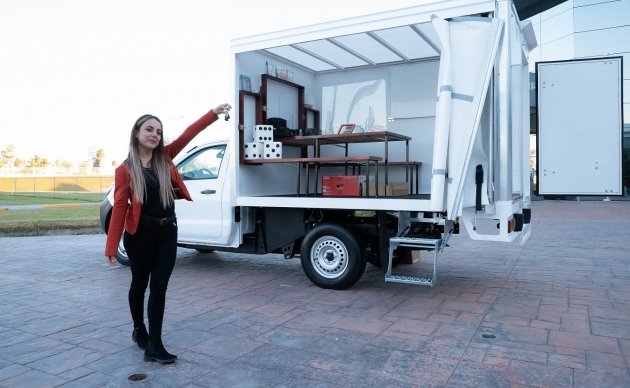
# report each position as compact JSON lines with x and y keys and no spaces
{"x":342,"y":185}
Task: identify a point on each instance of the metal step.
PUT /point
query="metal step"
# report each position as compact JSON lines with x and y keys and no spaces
{"x":409,"y":279}
{"x":414,"y":243}
{"x":419,"y":242}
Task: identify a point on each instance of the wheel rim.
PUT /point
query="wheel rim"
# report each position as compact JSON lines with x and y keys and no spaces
{"x":329,"y":257}
{"x":121,"y":250}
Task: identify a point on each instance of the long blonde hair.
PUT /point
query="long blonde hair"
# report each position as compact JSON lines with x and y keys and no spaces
{"x":160,"y":163}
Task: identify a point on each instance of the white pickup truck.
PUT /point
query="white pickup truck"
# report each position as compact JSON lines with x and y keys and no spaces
{"x":359,"y":139}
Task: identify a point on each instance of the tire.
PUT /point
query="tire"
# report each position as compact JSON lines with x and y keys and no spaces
{"x":121,"y":254}
{"x":331,"y":257}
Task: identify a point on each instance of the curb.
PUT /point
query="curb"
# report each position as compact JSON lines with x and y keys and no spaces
{"x":62,"y":205}
{"x":52,"y":206}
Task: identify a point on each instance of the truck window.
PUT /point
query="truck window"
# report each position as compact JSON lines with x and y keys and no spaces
{"x":205,"y":164}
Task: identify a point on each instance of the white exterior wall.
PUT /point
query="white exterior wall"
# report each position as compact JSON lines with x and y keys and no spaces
{"x":584,"y":29}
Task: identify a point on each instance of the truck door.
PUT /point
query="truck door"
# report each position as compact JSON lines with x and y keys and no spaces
{"x":201,"y":221}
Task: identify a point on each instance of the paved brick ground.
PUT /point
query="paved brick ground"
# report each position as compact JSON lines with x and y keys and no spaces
{"x":553,"y":313}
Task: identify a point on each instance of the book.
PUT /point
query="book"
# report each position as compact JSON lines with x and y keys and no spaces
{"x":246,"y":83}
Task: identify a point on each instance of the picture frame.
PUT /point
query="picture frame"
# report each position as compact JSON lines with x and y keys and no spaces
{"x":246,"y":83}
{"x":283,"y":73}
{"x":346,"y":128}
{"x":272,"y":69}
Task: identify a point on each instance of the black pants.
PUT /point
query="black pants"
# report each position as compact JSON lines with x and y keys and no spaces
{"x":151,"y":252}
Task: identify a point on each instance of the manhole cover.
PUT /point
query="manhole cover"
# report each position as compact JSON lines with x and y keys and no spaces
{"x":137,"y":377}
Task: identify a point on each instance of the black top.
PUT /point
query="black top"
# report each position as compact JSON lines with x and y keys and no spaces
{"x":152,"y":205}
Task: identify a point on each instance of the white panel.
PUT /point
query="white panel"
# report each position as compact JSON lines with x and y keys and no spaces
{"x":282,"y":102}
{"x":368,"y":47}
{"x":602,"y":42}
{"x":297,"y":56}
{"x":412,"y":90}
{"x":408,"y":42}
{"x":560,"y":49}
{"x":360,"y":103}
{"x":428,"y":30}
{"x":332,"y":53}
{"x":556,"y":27}
{"x":579,"y":130}
{"x":604,"y":15}
{"x":581,"y":3}
{"x":566,"y":6}
{"x":472,"y":44}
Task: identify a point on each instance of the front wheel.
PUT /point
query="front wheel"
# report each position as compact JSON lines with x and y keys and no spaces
{"x":331,"y":257}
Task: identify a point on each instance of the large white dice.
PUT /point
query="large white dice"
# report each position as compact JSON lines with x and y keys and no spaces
{"x":254,"y":150}
{"x":272,"y":150}
{"x":263,"y":133}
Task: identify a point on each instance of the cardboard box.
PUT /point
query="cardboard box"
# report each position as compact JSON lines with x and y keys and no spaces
{"x":343,"y":185}
{"x":393,"y":189}
{"x":408,"y":256}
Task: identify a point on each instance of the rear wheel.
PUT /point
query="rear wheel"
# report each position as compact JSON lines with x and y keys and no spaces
{"x":331,"y":257}
{"x":121,"y":254}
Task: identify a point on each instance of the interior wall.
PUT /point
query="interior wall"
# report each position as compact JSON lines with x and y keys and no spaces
{"x":415,"y":119}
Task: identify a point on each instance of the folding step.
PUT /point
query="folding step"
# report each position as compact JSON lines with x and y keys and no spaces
{"x":413,"y":243}
{"x":409,"y":279}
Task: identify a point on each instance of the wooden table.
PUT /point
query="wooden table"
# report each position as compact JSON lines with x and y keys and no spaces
{"x":325,"y":161}
{"x":344,"y":139}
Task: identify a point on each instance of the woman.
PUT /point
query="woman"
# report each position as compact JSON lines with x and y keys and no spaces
{"x":145,"y":187}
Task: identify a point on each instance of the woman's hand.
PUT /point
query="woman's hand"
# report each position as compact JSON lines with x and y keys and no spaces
{"x":223,"y":108}
{"x":111,"y":260}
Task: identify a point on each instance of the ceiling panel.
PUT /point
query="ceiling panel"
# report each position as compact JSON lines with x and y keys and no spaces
{"x":333,"y":53}
{"x":407,"y":41}
{"x":392,"y":45}
{"x":368,"y":48}
{"x":303,"y":59}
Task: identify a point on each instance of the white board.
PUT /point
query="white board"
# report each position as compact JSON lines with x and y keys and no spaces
{"x":580,"y":127}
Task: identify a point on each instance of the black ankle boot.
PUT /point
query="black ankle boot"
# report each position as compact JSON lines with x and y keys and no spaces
{"x":155,"y":352}
{"x":140,"y":336}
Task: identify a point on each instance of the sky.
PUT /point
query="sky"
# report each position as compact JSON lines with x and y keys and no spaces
{"x":75,"y":74}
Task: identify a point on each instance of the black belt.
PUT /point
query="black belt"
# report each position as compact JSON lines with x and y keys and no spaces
{"x":158,"y":221}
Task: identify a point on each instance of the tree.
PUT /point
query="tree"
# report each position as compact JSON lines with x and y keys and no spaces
{"x":9,"y":152}
{"x":7,"y":155}
{"x":37,"y":162}
{"x":96,"y":161}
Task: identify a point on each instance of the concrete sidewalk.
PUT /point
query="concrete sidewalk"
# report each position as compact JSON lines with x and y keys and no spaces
{"x":552,"y":313}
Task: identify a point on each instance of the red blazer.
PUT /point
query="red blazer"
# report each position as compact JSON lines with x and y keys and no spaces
{"x":126,"y":210}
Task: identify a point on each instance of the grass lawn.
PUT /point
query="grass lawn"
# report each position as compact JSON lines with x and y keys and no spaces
{"x":43,"y":221}
{"x":48,"y":198}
